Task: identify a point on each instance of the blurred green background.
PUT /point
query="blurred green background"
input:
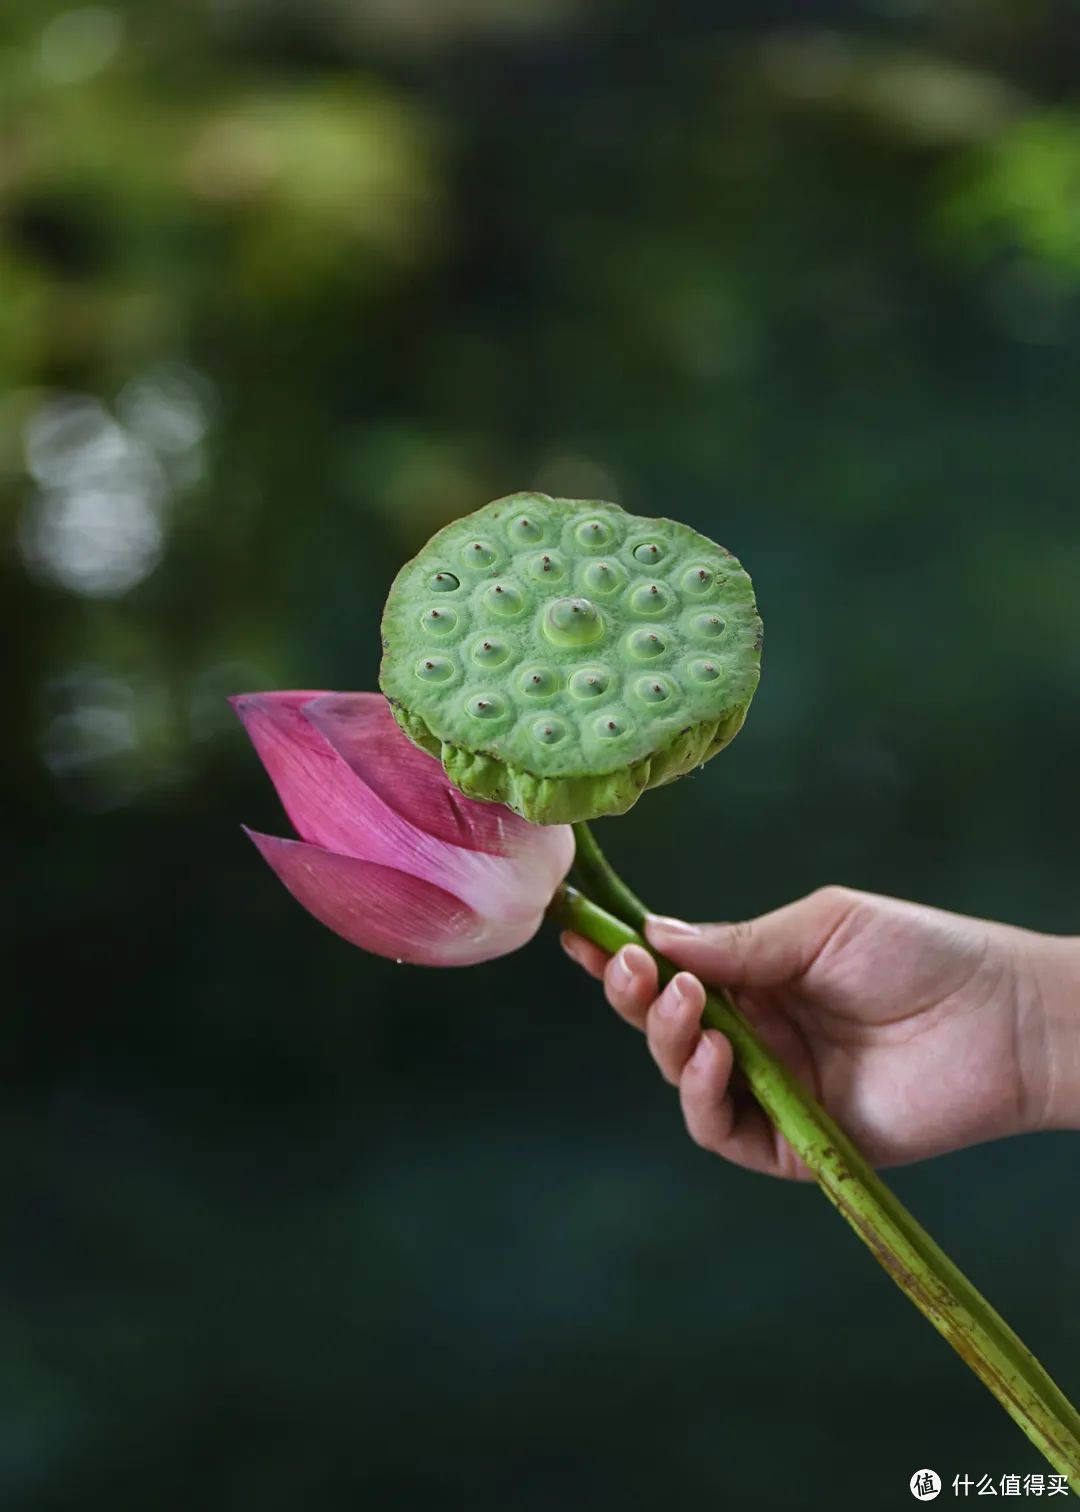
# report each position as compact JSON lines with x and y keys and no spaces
{"x":284,"y":286}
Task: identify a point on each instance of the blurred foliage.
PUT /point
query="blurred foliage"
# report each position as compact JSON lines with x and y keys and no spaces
{"x":286,"y":286}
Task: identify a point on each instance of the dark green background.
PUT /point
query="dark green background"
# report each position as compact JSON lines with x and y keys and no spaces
{"x":285,"y":285}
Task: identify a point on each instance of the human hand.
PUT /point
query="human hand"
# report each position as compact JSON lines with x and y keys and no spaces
{"x":919,"y":1031}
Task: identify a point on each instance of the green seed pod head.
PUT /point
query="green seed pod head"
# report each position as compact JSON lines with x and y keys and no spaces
{"x":561,"y":656}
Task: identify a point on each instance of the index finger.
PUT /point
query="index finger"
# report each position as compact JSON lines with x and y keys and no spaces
{"x":585,"y":953}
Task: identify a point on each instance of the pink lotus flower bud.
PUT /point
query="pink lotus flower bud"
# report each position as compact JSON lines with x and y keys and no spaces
{"x":391,"y":856}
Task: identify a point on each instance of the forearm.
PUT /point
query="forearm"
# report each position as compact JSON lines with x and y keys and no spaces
{"x":1059,"y":992}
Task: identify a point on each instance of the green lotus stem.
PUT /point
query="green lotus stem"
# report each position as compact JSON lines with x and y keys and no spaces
{"x":602,"y":883}
{"x":918,"y":1266}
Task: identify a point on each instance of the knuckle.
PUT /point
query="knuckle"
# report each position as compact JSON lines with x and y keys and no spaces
{"x":836,"y":896}
{"x":659,"y":1051}
{"x":615,"y":976}
{"x":615,"y":996}
{"x":700,"y":1126}
{"x":740,"y":934}
{"x":622,"y":1006}
{"x":703,"y":1134}
{"x":644,"y":969}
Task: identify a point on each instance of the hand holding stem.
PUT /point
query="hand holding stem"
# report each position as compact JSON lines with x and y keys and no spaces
{"x":782,"y":1126}
{"x":921,"y":1031}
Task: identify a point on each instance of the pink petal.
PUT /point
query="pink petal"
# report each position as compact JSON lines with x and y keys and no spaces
{"x":365,"y":733}
{"x":327,"y":803}
{"x":388,"y":912}
{"x":333,"y":804}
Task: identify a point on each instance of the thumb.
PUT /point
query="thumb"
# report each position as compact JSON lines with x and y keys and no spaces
{"x":762,"y":952}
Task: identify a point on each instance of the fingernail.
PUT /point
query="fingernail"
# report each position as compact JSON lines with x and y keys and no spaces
{"x":671,"y":999}
{"x":567,"y":943}
{"x":621,"y":975}
{"x":702,"y":1057}
{"x":675,"y":927}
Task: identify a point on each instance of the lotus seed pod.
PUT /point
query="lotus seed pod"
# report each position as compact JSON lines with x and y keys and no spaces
{"x":561,"y":656}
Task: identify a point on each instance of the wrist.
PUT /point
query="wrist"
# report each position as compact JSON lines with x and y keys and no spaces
{"x":1058,"y":972}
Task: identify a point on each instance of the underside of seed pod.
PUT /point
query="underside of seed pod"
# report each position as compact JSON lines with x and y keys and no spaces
{"x":561,"y":656}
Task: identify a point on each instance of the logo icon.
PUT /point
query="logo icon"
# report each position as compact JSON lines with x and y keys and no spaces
{"x":925,"y":1485}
